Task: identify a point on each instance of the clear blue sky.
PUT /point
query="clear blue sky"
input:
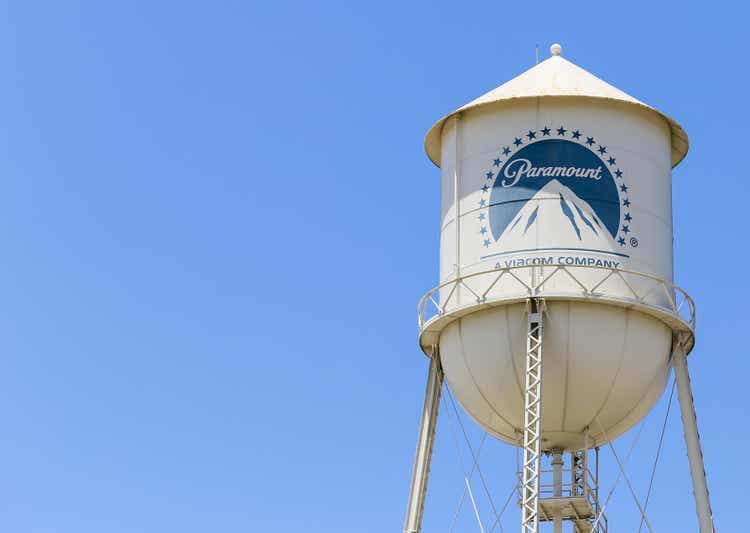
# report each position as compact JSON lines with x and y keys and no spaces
{"x":216,"y":219}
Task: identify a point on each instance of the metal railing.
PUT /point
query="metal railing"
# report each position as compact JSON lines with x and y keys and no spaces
{"x":586,"y":488}
{"x":548,"y":489}
{"x":505,"y":284}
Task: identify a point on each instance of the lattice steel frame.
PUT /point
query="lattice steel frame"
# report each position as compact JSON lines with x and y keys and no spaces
{"x":578,"y":470}
{"x":532,"y":428}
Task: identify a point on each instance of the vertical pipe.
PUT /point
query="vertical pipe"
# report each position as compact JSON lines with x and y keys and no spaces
{"x":692,"y":438}
{"x":421,"y":471}
{"x":456,"y":193}
{"x":557,"y":475}
{"x":596,"y":480}
{"x":586,"y":463}
{"x":519,"y":471}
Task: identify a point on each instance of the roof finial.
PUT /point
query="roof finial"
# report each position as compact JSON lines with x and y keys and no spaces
{"x":555,"y":49}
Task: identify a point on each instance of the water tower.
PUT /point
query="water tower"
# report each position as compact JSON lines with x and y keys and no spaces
{"x":556,"y":320}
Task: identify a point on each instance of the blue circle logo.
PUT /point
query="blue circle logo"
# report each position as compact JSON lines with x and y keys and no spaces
{"x":585,"y":195}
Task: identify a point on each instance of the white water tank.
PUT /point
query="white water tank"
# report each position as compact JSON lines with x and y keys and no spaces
{"x":556,"y":185}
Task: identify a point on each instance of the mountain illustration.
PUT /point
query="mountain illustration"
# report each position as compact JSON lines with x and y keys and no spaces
{"x":555,"y":217}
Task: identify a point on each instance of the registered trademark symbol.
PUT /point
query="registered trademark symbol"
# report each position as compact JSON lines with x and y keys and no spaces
{"x":633,"y":242}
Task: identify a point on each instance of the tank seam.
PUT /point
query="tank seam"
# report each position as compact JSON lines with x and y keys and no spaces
{"x":512,"y":355}
{"x":473,"y":379}
{"x":567,"y":372}
{"x":619,"y":369}
{"x":650,"y":383}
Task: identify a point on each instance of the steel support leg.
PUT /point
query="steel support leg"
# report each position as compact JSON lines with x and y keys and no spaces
{"x":692,"y":438}
{"x":421,"y":472}
{"x":532,"y":429}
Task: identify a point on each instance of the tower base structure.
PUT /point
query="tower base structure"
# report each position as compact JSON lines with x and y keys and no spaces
{"x":557,"y":502}
{"x":569,"y":492}
{"x":576,"y":502}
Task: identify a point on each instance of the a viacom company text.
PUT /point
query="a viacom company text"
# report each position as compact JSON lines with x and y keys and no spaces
{"x":565,"y":260}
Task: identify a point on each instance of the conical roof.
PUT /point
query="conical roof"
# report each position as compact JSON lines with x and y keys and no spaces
{"x":555,"y":77}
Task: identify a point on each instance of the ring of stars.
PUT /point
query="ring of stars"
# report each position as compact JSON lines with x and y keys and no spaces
{"x":505,"y":152}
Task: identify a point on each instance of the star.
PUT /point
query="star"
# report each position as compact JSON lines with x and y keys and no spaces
{"x":482,"y":216}
{"x":626,"y":202}
{"x":611,"y":160}
{"x":489,"y":175}
{"x":506,"y":150}
{"x":602,"y":149}
{"x":518,"y":142}
{"x":628,"y":217}
{"x":531,"y":135}
{"x":621,"y":241}
{"x":496,"y":162}
{"x":561,"y":130}
{"x":482,"y":202}
{"x":623,"y":188}
{"x":486,"y":243}
{"x":626,"y":229}
{"x":545,"y":130}
{"x":485,"y":188}
{"x":483,"y":230}
{"x":618,"y":173}
{"x":589,"y":140}
{"x":576,"y":134}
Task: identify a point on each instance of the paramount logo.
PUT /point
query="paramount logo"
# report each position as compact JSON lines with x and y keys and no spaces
{"x":523,"y":168}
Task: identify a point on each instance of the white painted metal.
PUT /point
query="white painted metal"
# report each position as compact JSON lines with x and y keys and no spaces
{"x":554,"y":78}
{"x":557,"y":466}
{"x":692,"y":438}
{"x":532,"y":427}
{"x":575,"y":502}
{"x":607,"y":282}
{"x":508,"y":285}
{"x":421,"y":471}
{"x":581,"y":382}
{"x":606,"y":361}
{"x":457,"y":265}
